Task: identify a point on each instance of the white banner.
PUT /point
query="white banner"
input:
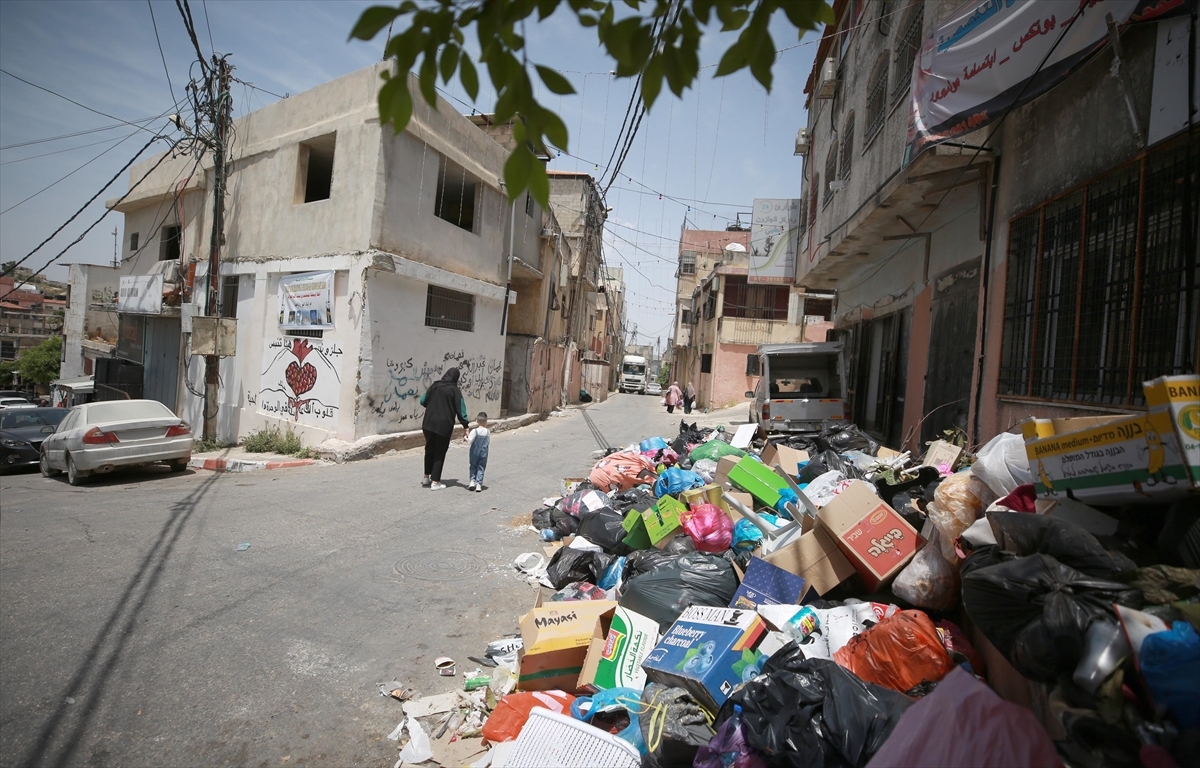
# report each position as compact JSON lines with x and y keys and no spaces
{"x":306,"y":301}
{"x":140,"y":294}
{"x":773,"y":232}
{"x":986,"y":55}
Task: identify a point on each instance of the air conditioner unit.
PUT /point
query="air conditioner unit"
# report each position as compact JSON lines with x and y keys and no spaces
{"x":801,"y":141}
{"x":829,"y":81}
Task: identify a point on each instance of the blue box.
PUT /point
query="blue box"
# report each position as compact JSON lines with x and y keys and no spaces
{"x":766,"y":584}
{"x":709,"y":652}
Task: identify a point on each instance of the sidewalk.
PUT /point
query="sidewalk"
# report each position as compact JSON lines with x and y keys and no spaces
{"x":341,"y":451}
{"x":235,"y":458}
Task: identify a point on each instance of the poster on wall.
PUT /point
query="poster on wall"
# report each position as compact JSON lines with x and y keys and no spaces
{"x":773,"y":235}
{"x":988,"y":55}
{"x":301,"y":381}
{"x":306,"y":301}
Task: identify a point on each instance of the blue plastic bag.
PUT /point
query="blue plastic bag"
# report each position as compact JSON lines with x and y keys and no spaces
{"x":1171,"y":667}
{"x":652,"y":444}
{"x":675,"y":481}
{"x":612,"y":576}
{"x":746,"y":535}
{"x":628,"y":699}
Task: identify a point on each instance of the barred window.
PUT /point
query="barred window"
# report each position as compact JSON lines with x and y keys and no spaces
{"x":1096,"y":301}
{"x":830,"y":174}
{"x":687,"y":263}
{"x":877,"y":97}
{"x":847,"y":147}
{"x":887,"y":8}
{"x":906,"y":51}
{"x":760,"y":302}
{"x":445,"y":308}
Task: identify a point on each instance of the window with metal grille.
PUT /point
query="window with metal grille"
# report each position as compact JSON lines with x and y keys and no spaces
{"x":1103,"y":285}
{"x":753,"y":365}
{"x":687,"y":263}
{"x":877,"y":97}
{"x":759,"y":302}
{"x":686,"y":317}
{"x":906,"y":51}
{"x":830,"y":174}
{"x":457,"y":193}
{"x":886,"y":9}
{"x":229,"y":295}
{"x":528,"y":204}
{"x":133,"y":241}
{"x":847,"y":148}
{"x":308,"y":334}
{"x":445,"y":308}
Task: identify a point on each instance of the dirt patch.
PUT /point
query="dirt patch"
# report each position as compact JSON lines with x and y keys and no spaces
{"x":519,"y":521}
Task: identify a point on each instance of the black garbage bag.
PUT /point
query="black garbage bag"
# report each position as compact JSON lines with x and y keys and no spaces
{"x":679,"y":544}
{"x":666,"y":591}
{"x":541,"y":518}
{"x":826,"y":461}
{"x":1036,"y":611}
{"x":1067,"y":542}
{"x":887,"y":491}
{"x":806,"y":443}
{"x":674,"y":724}
{"x":811,"y":713}
{"x":605,"y":528}
{"x":553,"y":517}
{"x":849,"y":437}
{"x":570,"y":565}
{"x":644,"y":560}
{"x":635,"y":498}
{"x":582,"y":500}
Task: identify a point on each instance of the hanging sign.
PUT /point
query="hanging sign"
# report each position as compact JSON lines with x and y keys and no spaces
{"x":773,"y":236}
{"x":306,"y":301}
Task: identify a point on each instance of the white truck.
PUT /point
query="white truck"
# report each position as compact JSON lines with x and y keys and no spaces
{"x":800,"y":388}
{"x":633,"y":374}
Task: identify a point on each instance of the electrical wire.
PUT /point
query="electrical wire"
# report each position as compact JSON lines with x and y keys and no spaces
{"x":76,"y":103}
{"x":101,"y":129}
{"x":162,"y":55}
{"x":211,"y":46}
{"x":69,"y":175}
{"x":68,"y":149}
{"x":257,"y":88}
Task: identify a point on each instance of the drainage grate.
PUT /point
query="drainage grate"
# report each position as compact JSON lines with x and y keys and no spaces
{"x":440,"y":566}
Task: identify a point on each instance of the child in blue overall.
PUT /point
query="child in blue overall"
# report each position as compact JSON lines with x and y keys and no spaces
{"x":478,"y":440}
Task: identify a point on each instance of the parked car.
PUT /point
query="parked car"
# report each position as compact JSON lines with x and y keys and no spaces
{"x":96,"y":438}
{"x":12,"y":403}
{"x":22,"y":431}
{"x":653,"y":388}
{"x":7,"y":393}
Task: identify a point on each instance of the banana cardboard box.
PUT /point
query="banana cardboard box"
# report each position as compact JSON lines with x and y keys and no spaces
{"x":1105,"y":459}
{"x":1174,"y":403}
{"x":709,"y":652}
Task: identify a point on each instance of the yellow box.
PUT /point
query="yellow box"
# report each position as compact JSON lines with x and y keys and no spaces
{"x":1174,"y":403}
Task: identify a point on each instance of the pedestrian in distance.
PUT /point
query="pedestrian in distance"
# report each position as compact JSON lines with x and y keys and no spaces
{"x":689,"y":398}
{"x":674,"y":397}
{"x":478,"y":442}
{"x":443,"y":404}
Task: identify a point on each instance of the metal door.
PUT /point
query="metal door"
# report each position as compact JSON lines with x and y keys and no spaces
{"x":951,"y":350}
{"x":161,"y":380}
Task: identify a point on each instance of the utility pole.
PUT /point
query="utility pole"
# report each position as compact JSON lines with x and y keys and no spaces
{"x":116,"y":242}
{"x":221,"y":105}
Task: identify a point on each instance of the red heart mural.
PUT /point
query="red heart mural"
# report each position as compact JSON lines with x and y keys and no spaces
{"x":300,"y":379}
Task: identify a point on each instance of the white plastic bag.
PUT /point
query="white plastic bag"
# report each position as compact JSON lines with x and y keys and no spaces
{"x":1002,"y":464}
{"x":418,"y":748}
{"x":928,"y":581}
{"x":957,"y":503}
{"x":706,"y":468}
{"x":824,"y":487}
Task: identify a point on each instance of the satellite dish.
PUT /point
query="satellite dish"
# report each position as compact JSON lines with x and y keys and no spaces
{"x":735,"y":248}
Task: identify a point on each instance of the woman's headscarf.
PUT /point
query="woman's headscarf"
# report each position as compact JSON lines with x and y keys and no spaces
{"x":450,"y":378}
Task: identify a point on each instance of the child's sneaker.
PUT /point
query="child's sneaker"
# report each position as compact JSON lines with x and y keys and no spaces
{"x":479,"y":488}
{"x":471,"y":487}
{"x":426,"y":482}
{"x":437,"y":486}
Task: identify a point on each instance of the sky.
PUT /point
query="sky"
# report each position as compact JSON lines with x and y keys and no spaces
{"x":700,"y":159}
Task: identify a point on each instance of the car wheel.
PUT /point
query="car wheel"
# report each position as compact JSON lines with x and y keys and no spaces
{"x":44,"y":465}
{"x":74,"y":476}
{"x":179,"y":465}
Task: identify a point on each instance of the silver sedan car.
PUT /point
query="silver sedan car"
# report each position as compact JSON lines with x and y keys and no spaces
{"x":99,"y":437}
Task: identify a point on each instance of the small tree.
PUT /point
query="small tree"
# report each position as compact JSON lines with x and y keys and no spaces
{"x":40,"y":365}
{"x":664,"y":375}
{"x":7,"y":369}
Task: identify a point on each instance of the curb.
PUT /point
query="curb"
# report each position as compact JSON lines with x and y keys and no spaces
{"x":241,"y":465}
{"x":341,"y":451}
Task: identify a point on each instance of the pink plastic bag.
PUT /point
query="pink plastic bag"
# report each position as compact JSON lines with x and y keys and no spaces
{"x":709,"y":526}
{"x":622,"y":471}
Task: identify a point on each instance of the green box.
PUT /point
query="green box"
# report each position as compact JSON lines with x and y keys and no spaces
{"x":635,"y":529}
{"x":662,"y":520}
{"x":758,"y":480}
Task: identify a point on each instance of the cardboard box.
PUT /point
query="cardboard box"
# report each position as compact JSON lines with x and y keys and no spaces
{"x":724,"y":464}
{"x":662,"y":520}
{"x":636,"y":536}
{"x":571,"y":484}
{"x":767,"y":584}
{"x":753,"y":476}
{"x":709,"y":652}
{"x":707,"y":494}
{"x":616,"y":660}
{"x":815,"y":557}
{"x":877,"y":541}
{"x":887,"y":453}
{"x":555,"y":639}
{"x":940,"y":452}
{"x":1105,"y":459}
{"x":1175,"y":400}
{"x":784,"y":456}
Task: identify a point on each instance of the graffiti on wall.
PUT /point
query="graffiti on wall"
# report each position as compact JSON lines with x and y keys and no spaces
{"x":301,"y":381}
{"x":481,"y":379}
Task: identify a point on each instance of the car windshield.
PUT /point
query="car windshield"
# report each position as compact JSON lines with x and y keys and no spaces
{"x":126,"y":410}
{"x":34,"y":417}
{"x":811,"y":375}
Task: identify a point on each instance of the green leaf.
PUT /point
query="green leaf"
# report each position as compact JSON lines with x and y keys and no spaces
{"x":468,"y":77}
{"x":449,"y":62}
{"x":395,"y":102}
{"x":619,"y":38}
{"x":733,"y":60}
{"x":554,"y":81}
{"x":517,"y":170}
{"x":372,"y":21}
{"x":652,"y":81}
{"x":733,"y":19}
{"x":539,"y":184}
{"x":554,"y":128}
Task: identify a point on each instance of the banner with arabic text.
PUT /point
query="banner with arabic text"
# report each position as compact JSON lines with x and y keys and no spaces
{"x":306,"y":301}
{"x":985,"y":56}
{"x":773,"y":231}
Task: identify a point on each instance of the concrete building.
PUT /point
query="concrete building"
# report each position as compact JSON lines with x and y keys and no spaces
{"x":90,"y":325}
{"x":359,"y":265}
{"x":28,"y":316}
{"x":1046,"y":274}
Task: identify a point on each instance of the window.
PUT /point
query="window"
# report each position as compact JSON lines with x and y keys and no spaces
{"x":133,"y":241}
{"x":877,"y":97}
{"x":529,"y":205}
{"x":830,"y":174}
{"x":760,"y":302}
{"x":8,"y":351}
{"x":168,"y":244}
{"x":445,"y":308}
{"x":457,"y":192}
{"x":229,"y":295}
{"x":705,"y":363}
{"x":686,"y":317}
{"x":753,"y":365}
{"x":315,"y":176}
{"x":822,"y":308}
{"x":1097,"y":301}
{"x":131,"y":334}
{"x":906,"y":51}
{"x":308,"y":334}
{"x":886,"y":9}
{"x":847,"y":147}
{"x":687,"y":263}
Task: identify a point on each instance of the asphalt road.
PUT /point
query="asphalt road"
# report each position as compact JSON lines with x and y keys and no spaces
{"x":135,"y":633}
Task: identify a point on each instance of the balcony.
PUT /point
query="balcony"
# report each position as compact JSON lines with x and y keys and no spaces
{"x":737,"y":330}
{"x":683,"y":336}
{"x":29,"y":324}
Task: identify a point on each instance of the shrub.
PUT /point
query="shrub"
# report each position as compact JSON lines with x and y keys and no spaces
{"x":272,"y":439}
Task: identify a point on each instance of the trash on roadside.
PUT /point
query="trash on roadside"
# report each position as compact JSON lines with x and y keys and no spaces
{"x":397,"y":691}
{"x":444,"y":666}
{"x":243,"y":546}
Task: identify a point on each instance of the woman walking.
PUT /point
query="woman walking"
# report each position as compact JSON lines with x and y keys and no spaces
{"x":443,"y":404}
{"x":674,"y":397}
{"x":689,"y":398}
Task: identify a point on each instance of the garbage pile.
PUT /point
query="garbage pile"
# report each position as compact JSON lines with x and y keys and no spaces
{"x":717,"y":599}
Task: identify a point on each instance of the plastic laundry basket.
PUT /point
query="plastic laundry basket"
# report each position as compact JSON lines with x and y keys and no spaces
{"x":551,"y":739}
